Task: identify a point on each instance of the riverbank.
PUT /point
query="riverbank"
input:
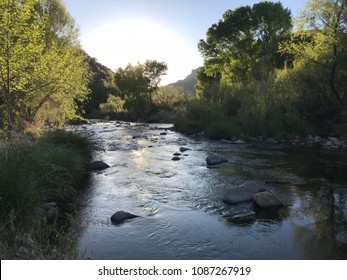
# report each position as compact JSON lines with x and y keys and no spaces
{"x":39,"y":179}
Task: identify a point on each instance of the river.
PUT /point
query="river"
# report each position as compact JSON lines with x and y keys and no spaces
{"x":180,"y":202}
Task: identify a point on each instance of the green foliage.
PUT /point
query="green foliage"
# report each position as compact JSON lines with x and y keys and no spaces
{"x":32,"y":174}
{"x":243,"y":45}
{"x":257,"y":109}
{"x":36,"y":37}
{"x":224,"y":129}
{"x":114,"y":104}
{"x":101,"y":86}
{"x":169,"y":98}
{"x":40,"y":239}
{"x":48,"y":170}
{"x":266,"y":81}
{"x":137,"y":84}
{"x":320,"y":46}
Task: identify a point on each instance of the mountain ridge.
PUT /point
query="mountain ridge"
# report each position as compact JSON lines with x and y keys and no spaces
{"x":188,"y":84}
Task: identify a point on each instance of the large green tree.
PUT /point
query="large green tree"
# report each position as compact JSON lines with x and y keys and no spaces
{"x":321,"y":42}
{"x":136,"y":85}
{"x":243,"y":45}
{"x":41,"y":63}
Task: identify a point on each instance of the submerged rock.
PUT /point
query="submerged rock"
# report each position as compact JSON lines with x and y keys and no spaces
{"x":183,"y":149}
{"x":242,"y":193}
{"x":98,"y":165}
{"x":213,"y":160}
{"x":267,"y":199}
{"x":121,"y":216}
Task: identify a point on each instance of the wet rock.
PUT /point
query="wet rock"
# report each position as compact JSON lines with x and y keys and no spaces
{"x":317,"y":139}
{"x":163,"y":133}
{"x":121,"y":216}
{"x":242,"y":193}
{"x":239,"y":142}
{"x":242,"y":218}
{"x":267,"y":199}
{"x":98,"y":165}
{"x":213,"y":160}
{"x":177,"y":154}
{"x":183,"y":149}
{"x":176,"y":158}
{"x":50,"y":210}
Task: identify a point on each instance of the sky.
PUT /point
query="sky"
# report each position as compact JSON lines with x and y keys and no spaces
{"x":118,"y":32}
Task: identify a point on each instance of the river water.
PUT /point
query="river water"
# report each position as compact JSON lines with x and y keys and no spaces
{"x":180,"y":202}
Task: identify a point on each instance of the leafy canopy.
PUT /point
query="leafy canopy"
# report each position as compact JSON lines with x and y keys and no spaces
{"x":42,"y":69}
{"x":137,"y":83}
{"x":243,"y":45}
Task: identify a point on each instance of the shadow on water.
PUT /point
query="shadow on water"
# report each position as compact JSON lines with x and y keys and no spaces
{"x":180,"y":202}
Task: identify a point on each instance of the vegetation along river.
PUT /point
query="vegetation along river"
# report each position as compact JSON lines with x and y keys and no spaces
{"x":182,"y":215}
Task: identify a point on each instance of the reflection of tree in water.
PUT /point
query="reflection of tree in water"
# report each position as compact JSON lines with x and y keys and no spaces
{"x":320,"y":231}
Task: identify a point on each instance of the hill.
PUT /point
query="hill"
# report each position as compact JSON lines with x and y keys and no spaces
{"x":188,"y":84}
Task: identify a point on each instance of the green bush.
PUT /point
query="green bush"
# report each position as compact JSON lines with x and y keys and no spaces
{"x":224,"y":129}
{"x":32,"y":174}
{"x":47,"y":170}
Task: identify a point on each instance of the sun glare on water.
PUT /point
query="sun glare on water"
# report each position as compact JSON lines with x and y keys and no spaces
{"x":132,"y":40}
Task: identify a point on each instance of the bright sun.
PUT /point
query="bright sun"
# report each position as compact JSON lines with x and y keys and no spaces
{"x":132,"y":40}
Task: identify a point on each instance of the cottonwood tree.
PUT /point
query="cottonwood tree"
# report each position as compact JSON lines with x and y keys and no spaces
{"x":243,"y":45}
{"x":321,"y":40}
{"x":136,"y":85}
{"x":41,"y":63}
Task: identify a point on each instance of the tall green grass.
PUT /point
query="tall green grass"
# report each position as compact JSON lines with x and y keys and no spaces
{"x":256,"y":109}
{"x":49,"y":169}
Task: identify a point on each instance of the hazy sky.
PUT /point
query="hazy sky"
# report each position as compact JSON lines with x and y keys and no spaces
{"x":118,"y":32}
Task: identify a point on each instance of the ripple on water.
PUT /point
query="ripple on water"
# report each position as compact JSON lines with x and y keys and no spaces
{"x":182,"y":215}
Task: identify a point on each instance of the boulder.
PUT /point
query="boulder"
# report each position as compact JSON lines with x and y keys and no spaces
{"x":242,"y":193}
{"x":177,"y":154}
{"x":267,"y":199}
{"x":176,"y":158}
{"x":183,"y":149}
{"x":163,"y":133}
{"x":213,"y":160}
{"x":50,"y":210}
{"x":121,"y":216}
{"x":98,"y":165}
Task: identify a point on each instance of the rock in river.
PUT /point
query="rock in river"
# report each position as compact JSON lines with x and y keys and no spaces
{"x":242,"y":193}
{"x":121,"y":216}
{"x":98,"y":165}
{"x":176,"y":158}
{"x":213,"y":160}
{"x":267,"y":199}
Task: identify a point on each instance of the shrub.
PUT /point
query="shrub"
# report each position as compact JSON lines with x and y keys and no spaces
{"x":47,"y":170}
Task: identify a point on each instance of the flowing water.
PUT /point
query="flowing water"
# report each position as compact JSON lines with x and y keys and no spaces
{"x":180,"y":202}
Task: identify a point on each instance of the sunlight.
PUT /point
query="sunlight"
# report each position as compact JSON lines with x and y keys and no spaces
{"x":132,"y":40}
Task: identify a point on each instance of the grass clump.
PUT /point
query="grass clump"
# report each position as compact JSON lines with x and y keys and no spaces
{"x":49,"y":169}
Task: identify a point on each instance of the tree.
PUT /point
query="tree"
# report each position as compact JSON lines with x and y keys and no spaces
{"x":101,"y":86}
{"x":243,"y":45}
{"x":41,"y":63}
{"x":21,"y":46}
{"x":137,"y":83}
{"x":321,"y":40}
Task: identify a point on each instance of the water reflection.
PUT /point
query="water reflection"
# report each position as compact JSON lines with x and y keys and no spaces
{"x":182,"y":214}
